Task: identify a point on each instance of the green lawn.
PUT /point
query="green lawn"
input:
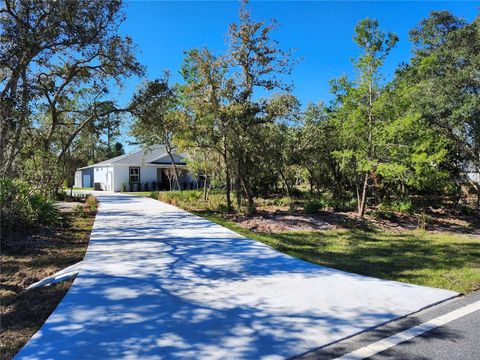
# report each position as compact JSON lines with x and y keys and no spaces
{"x":446,"y":261}
{"x":77,"y":188}
{"x":139,"y":193}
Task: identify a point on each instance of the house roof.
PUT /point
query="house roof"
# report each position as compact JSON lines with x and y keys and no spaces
{"x":155,"y":154}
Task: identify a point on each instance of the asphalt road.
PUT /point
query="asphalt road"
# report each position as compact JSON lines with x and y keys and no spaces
{"x":458,"y":339}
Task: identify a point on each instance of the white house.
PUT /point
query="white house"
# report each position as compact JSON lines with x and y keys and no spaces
{"x":140,"y":170}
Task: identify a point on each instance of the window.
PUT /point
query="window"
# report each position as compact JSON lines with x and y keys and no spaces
{"x":135,"y":175}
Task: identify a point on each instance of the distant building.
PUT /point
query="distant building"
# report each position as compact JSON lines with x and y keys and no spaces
{"x":132,"y":171}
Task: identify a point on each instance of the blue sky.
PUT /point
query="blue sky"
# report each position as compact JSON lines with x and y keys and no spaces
{"x":319,"y":31}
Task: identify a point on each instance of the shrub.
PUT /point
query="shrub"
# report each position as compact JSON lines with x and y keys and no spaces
{"x":92,"y":203}
{"x":402,"y":206}
{"x":467,"y":210}
{"x":145,"y":186}
{"x":154,"y":195}
{"x":46,"y":211}
{"x":22,"y":206}
{"x":345,"y":205}
{"x":123,"y":187}
{"x":383,"y":214}
{"x":314,"y":205}
{"x":61,"y":196}
{"x":283,"y":201}
{"x":78,"y":211}
{"x":222,"y":209}
{"x":154,"y":185}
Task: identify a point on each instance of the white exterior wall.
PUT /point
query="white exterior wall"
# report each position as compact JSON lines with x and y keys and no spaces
{"x":120,"y":176}
{"x":104,"y":175}
{"x":148,"y":173}
{"x":78,"y":178}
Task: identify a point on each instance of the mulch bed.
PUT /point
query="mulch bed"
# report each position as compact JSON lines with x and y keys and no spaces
{"x":277,"y":220}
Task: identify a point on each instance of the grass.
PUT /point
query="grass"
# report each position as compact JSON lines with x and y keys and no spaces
{"x":22,"y":313}
{"x":139,"y":193}
{"x":438,"y":259}
{"x":441,"y":260}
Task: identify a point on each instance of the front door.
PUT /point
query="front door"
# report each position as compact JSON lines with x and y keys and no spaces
{"x":86,"y":181}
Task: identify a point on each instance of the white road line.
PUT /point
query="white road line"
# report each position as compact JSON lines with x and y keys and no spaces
{"x":406,"y":335}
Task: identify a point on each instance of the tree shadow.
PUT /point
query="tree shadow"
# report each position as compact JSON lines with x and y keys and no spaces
{"x":158,"y":282}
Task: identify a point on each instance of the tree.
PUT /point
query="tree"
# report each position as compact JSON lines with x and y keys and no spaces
{"x":256,"y":63}
{"x":360,"y":110}
{"x":157,"y":118}
{"x":57,"y":59}
{"x":447,"y":87}
{"x":205,"y":97}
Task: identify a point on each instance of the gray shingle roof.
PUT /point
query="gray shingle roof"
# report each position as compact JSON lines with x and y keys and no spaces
{"x":141,"y":156}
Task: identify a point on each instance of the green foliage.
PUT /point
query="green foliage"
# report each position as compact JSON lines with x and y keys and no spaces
{"x":403,"y":206}
{"x":123,"y":187}
{"x":235,"y":116}
{"x":383,"y":214}
{"x":53,"y":94}
{"x":21,"y":206}
{"x":344,"y":204}
{"x":315,"y":205}
{"x":79,"y":211}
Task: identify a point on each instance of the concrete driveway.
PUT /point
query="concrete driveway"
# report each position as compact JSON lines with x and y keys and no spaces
{"x":160,"y":283}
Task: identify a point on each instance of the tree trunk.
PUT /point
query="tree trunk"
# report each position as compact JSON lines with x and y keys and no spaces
{"x":238,"y":187}
{"x":175,"y":170}
{"x":205,"y":187}
{"x":361,"y":209}
{"x":250,"y":202}
{"x":228,"y":189}
{"x":285,"y":184}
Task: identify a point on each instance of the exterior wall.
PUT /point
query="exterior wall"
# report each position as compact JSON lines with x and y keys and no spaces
{"x":120,"y":176}
{"x":79,"y":177}
{"x":104,"y":176}
{"x":148,"y":174}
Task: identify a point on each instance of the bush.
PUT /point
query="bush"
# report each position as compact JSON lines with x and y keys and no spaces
{"x":345,"y":205}
{"x":283,"y":201}
{"x":314,"y":205}
{"x":403,"y":206}
{"x":21,"y":206}
{"x":145,"y":186}
{"x":123,"y":187}
{"x":154,"y":195}
{"x":61,"y":196}
{"x":46,"y":211}
{"x":383,"y":214}
{"x":78,"y":211}
{"x":91,"y":203}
